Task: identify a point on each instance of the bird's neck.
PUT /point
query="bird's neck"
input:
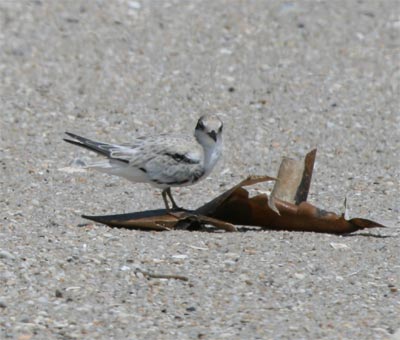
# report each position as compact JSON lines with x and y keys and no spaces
{"x":212,"y":154}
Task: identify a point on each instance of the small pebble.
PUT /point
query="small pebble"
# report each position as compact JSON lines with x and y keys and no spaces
{"x":299,"y":276}
{"x":134,"y":5}
{"x":4,"y":254}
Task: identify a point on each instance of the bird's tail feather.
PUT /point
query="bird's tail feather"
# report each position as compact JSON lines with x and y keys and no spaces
{"x":98,"y":147}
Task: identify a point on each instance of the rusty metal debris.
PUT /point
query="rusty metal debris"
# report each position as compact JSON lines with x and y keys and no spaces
{"x":286,"y":208}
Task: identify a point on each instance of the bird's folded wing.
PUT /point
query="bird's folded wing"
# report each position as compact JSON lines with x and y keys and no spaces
{"x":176,"y":151}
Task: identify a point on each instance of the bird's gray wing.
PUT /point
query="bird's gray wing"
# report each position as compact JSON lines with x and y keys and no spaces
{"x":170,"y":161}
{"x":173,"y":150}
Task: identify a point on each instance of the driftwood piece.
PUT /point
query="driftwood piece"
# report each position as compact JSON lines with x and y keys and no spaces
{"x":286,"y":209}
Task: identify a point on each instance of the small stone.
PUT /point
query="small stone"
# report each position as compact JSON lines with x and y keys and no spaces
{"x":299,"y":276}
{"x":229,"y":263}
{"x":43,"y":300}
{"x":3,"y":304}
{"x":58,"y":293}
{"x":4,"y":254}
{"x":225,"y":51}
{"x":35,"y":202}
{"x":139,"y":275}
{"x":337,"y":246}
{"x":392,"y":288}
{"x":25,"y":337}
{"x":134,"y":5}
{"x":180,"y":256}
{"x":396,"y":335}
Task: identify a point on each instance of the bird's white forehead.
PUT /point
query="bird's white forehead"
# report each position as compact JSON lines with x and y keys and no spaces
{"x":210,"y":122}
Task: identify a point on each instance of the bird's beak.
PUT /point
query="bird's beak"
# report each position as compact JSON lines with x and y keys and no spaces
{"x":213,"y":135}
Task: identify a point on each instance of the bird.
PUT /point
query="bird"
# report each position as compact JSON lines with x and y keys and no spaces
{"x":163,"y":161}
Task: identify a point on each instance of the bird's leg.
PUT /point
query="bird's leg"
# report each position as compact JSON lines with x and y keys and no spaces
{"x":164,"y":196}
{"x":168,"y":192}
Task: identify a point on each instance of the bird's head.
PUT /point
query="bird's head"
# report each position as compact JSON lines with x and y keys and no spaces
{"x":208,"y":130}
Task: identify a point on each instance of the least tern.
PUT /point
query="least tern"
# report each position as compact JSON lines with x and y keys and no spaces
{"x":164,"y":161}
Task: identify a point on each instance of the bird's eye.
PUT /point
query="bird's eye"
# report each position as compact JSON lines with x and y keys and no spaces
{"x":200,"y":125}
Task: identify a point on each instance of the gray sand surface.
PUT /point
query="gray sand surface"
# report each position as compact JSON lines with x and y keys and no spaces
{"x":285,"y":77}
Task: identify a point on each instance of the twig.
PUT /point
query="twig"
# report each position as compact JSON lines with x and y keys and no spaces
{"x":162,"y":276}
{"x":19,"y":107}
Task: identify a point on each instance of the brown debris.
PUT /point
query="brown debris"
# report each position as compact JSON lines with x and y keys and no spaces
{"x":286,"y":209}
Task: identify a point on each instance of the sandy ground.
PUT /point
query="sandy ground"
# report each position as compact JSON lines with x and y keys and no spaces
{"x":284,"y":77}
